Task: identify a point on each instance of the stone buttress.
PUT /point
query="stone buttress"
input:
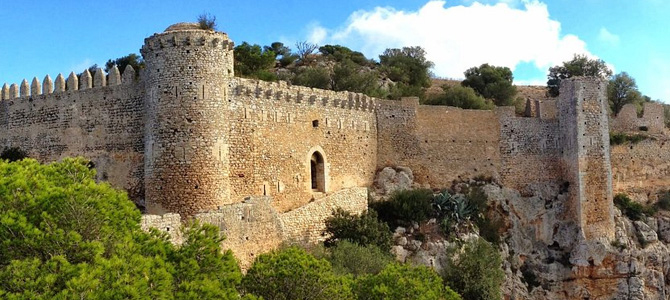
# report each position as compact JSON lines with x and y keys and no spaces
{"x":186,"y":131}
{"x":583,"y":117}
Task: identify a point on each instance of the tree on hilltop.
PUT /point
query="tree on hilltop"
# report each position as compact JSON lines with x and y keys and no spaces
{"x":492,"y":82}
{"x":460,"y":96}
{"x":622,"y":90}
{"x":408,"y":68}
{"x":580,"y":65}
{"x":254,"y":61}
{"x":132,"y":59}
{"x":282,"y":53}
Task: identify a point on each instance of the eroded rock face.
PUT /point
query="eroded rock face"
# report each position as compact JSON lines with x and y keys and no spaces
{"x":545,"y":255}
{"x":546,"y":258}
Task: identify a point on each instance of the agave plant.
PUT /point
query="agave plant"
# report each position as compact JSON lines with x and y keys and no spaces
{"x":453,"y":210}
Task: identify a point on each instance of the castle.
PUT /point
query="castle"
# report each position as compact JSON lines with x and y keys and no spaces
{"x":188,"y":137}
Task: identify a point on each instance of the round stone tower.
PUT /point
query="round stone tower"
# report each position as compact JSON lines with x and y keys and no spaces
{"x":186,"y":161}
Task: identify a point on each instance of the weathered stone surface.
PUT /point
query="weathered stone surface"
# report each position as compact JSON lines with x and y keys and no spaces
{"x":389,"y":180}
{"x":644,"y":233}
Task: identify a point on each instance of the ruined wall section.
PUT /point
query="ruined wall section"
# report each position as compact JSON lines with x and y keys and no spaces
{"x":439,"y":143}
{"x":254,"y":226}
{"x":99,"y":121}
{"x":583,"y":119}
{"x":306,"y":224}
{"x":627,"y":120}
{"x":275,"y":128}
{"x":530,"y":150}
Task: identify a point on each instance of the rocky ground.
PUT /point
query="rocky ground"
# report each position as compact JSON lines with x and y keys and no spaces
{"x":543,"y":255}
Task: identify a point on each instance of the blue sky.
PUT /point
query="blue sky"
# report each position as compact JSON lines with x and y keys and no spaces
{"x":51,"y":37}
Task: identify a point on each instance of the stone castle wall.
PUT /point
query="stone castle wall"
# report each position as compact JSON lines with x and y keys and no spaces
{"x":275,"y":129}
{"x":440,"y":144}
{"x":530,"y":150}
{"x":642,"y":169}
{"x":102,"y":122}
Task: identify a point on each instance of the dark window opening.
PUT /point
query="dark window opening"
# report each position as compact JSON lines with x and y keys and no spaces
{"x":317,"y":173}
{"x":315,"y":123}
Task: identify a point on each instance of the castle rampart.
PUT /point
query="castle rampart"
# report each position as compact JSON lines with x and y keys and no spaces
{"x":100,"y":123}
{"x":188,"y":137}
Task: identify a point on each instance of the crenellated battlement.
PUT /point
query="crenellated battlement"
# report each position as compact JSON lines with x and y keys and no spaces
{"x":73,"y":83}
{"x":283,"y":91}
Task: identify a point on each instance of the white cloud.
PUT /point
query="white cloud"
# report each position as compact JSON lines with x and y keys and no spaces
{"x":81,"y":66}
{"x":605,"y":36}
{"x":459,"y":37}
{"x":317,"y":34}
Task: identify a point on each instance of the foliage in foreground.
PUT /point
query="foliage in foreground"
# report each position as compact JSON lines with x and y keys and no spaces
{"x":292,"y":273}
{"x":475,"y":271}
{"x":399,"y":281}
{"x":64,"y":236}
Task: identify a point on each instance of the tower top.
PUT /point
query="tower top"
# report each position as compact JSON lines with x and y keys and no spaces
{"x":183,"y":26}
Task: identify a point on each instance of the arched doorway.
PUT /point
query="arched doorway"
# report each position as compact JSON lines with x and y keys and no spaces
{"x":317,"y":172}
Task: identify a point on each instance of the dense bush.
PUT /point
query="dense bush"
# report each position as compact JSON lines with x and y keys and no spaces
{"x":350,"y":258}
{"x":398,"y":281}
{"x":460,"y":96}
{"x":363,"y":230}
{"x":292,"y":273}
{"x":633,"y":210}
{"x":618,"y":138}
{"x":405,"y":207}
{"x":475,"y":271}
{"x":492,"y":82}
{"x":64,"y":236}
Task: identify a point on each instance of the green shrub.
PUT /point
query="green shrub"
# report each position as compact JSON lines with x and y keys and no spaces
{"x":363,"y":230}
{"x":633,"y":210}
{"x":476,"y":271}
{"x":618,"y":138}
{"x":292,"y":273}
{"x":460,"y":96}
{"x":65,"y":236}
{"x":350,"y":258}
{"x":398,"y":281}
{"x":405,"y":207}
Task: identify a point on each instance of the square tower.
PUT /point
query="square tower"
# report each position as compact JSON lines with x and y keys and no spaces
{"x":583,"y":119}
